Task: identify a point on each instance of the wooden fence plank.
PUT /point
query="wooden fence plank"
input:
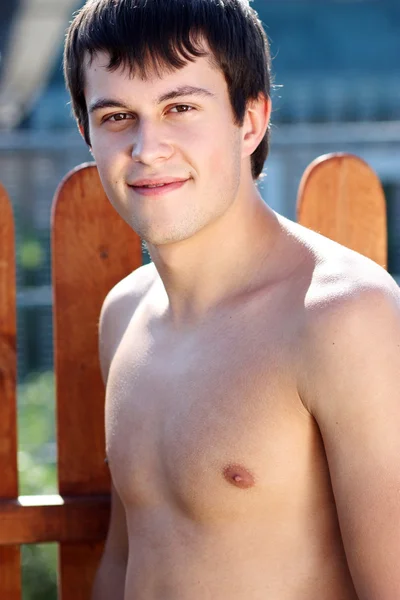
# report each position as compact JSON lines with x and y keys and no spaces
{"x":341,"y":197}
{"x":81,"y":519}
{"x":10,"y":573}
{"x":10,"y":577}
{"x":93,"y":249}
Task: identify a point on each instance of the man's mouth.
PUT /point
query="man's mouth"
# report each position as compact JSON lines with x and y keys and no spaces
{"x":147,"y":188}
{"x":152,"y":185}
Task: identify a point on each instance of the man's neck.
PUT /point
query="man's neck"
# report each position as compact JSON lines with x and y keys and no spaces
{"x":219,"y":262}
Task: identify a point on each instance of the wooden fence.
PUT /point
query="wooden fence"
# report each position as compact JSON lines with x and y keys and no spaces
{"x":92,"y":249}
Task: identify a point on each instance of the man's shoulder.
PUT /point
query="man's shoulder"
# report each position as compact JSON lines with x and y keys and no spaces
{"x":128,"y":292}
{"x":335,"y":277}
{"x":118,"y":308}
{"x":344,"y":281}
{"x":352,"y":313}
{"x":339,"y":285}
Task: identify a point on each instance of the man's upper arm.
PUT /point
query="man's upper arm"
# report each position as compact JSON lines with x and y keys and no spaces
{"x":117,"y":310}
{"x":354,"y":394}
{"x":117,"y":537}
{"x":111,"y":329}
{"x":111,"y":574}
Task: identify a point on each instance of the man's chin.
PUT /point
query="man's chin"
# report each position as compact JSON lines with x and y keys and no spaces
{"x":165,"y":237}
{"x":158,"y":241}
{"x":167,"y":230}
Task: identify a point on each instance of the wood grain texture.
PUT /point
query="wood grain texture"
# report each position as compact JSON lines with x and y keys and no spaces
{"x":92,"y":249}
{"x":81,"y":519}
{"x":82,"y":559}
{"x":341,"y":197}
{"x":10,"y":573}
{"x":10,"y":578}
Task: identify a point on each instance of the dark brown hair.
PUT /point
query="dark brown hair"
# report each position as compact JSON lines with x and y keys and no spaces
{"x":165,"y":34}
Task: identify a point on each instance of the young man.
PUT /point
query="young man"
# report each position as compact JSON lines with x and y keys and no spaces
{"x":252,"y":371}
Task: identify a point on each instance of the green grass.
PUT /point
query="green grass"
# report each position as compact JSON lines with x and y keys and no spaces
{"x":37,"y":475}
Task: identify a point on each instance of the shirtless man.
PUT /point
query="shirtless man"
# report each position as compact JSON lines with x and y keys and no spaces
{"x":252,"y":371}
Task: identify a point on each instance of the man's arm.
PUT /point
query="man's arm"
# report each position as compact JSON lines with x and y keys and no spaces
{"x":110,"y":578}
{"x":116,"y":312}
{"x":353,"y":392}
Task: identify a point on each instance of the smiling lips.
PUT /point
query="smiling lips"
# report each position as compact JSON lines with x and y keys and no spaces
{"x":157,"y":187}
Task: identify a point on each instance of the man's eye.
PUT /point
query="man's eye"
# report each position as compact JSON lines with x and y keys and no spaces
{"x":180,"y":108}
{"x":119,"y":117}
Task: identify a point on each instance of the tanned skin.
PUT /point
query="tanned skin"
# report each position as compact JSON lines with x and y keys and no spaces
{"x":252,"y":371}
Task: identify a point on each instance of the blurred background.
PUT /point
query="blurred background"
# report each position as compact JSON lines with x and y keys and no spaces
{"x":336,"y":68}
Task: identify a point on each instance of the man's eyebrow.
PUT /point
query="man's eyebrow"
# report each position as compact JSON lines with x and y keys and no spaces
{"x":106,"y":103}
{"x":185,"y":90}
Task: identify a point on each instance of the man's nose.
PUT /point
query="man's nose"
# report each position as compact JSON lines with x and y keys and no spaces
{"x":150,"y":144}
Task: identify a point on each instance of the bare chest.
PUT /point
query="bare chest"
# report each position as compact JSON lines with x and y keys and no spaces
{"x":212,"y":424}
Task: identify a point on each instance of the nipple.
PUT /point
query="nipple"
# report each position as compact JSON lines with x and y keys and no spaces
{"x":239,"y":476}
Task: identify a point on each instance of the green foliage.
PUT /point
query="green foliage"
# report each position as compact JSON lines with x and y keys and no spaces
{"x":31,"y":254}
{"x":36,"y":430}
{"x":38,"y":475}
{"x":39,"y":572}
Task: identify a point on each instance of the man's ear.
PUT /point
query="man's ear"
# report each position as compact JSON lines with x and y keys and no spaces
{"x":82,"y":132}
{"x":256,"y":122}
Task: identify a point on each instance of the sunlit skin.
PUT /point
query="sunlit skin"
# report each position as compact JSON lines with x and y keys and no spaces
{"x":145,"y":138}
{"x":190,"y":136}
{"x":230,"y":365}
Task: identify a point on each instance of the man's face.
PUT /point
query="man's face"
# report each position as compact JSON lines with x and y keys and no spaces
{"x":177,"y":130}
